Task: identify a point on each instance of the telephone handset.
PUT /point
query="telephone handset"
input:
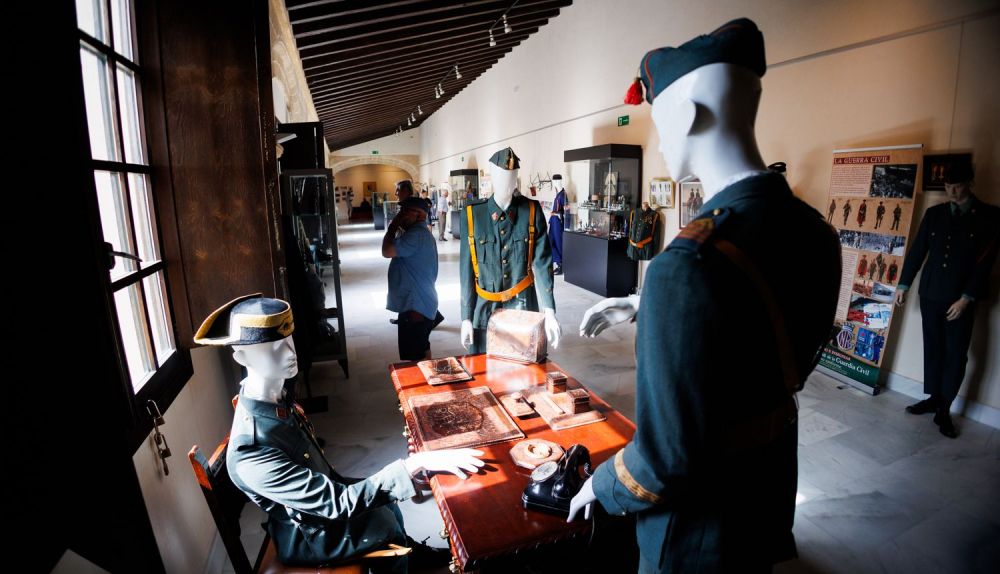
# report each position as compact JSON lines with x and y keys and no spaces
{"x":554,"y":484}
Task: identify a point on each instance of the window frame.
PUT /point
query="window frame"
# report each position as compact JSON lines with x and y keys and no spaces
{"x":168,"y":378}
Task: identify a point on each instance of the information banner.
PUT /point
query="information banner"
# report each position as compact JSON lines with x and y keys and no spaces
{"x":871,"y":206}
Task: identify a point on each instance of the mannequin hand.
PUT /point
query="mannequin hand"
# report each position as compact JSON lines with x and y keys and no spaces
{"x":607,"y":313}
{"x":956,"y":309}
{"x":583,"y":499}
{"x":466,"y":334}
{"x":552,"y":329}
{"x":900,"y":297}
{"x":453,"y":460}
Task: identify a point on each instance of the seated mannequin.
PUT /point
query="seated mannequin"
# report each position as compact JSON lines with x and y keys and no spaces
{"x":501,"y":228}
{"x":315,"y":515}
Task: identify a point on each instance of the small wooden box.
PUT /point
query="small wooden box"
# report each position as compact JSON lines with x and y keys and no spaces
{"x":517,"y":335}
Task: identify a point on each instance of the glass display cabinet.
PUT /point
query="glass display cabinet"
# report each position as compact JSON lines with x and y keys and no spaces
{"x":464,"y":187}
{"x":606,"y":181}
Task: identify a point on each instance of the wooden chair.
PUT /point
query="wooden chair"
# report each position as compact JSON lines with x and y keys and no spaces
{"x":226,"y":502}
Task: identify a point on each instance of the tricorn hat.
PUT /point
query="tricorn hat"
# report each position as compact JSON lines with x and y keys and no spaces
{"x":247,"y":320}
{"x":737,"y":42}
{"x":557,"y":176}
{"x":506,"y":159}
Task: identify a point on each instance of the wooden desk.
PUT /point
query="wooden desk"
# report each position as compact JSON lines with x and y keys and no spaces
{"x":484,"y":515}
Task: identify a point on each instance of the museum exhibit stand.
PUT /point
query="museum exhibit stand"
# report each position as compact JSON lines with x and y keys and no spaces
{"x":606,"y":181}
{"x":464,"y":186}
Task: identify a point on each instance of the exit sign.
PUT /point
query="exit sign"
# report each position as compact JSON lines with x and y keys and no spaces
{"x":622,"y":121}
{"x":375,"y":151}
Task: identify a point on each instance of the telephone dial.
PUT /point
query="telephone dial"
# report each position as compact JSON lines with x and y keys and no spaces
{"x":554,"y":484}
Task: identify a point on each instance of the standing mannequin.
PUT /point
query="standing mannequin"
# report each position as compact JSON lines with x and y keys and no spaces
{"x":501,"y":232}
{"x":315,"y":515}
{"x":701,"y":418}
{"x":643,"y":233}
{"x":556,"y":223}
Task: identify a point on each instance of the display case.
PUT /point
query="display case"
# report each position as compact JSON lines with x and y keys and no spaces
{"x":606,"y":183}
{"x":464,"y":187}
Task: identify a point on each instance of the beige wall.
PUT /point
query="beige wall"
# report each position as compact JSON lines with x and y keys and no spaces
{"x":385,"y":177}
{"x":841,"y":74}
{"x":201,"y":414}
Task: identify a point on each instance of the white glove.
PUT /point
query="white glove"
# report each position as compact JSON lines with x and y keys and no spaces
{"x":552,"y":329}
{"x":466,"y":334}
{"x":608,"y":313}
{"x":453,"y":460}
{"x":583,"y":499}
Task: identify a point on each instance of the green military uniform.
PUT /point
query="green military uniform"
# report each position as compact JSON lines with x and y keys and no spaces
{"x":711,"y":471}
{"x":644,"y":232}
{"x":502,"y":241}
{"x":315,"y":515}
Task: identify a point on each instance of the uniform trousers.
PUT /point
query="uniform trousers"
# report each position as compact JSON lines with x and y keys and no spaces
{"x":556,"y":238}
{"x":946,"y":349}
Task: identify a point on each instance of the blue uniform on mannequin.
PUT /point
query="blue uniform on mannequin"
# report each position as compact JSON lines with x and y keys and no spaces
{"x":956,"y":246}
{"x":556,"y":223}
{"x":711,"y":471}
{"x":315,"y":515}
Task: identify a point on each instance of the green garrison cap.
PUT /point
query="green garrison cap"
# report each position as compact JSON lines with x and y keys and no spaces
{"x":506,"y":159}
{"x":737,"y":42}
{"x":247,"y":320}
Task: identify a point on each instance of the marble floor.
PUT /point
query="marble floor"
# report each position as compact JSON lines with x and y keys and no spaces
{"x":879,"y":490}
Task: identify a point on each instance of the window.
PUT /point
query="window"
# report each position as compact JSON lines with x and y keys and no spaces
{"x":137,"y":283}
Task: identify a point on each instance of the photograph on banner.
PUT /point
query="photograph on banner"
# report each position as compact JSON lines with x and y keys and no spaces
{"x":871,"y":202}
{"x":692,"y":198}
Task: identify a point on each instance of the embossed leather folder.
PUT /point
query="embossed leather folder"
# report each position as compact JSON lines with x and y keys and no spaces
{"x":517,"y":335}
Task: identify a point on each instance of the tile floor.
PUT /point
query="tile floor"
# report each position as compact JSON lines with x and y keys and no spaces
{"x":879,"y":490}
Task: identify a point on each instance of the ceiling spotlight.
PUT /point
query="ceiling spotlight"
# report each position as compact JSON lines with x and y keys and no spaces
{"x":440,"y":89}
{"x":413,"y":118}
{"x":420,"y":111}
{"x":506,"y":26}
{"x":492,"y":41}
{"x":409,"y":122}
{"x":458,"y":75}
{"x":437,"y":94}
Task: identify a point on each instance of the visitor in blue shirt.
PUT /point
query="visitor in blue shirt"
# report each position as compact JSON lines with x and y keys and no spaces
{"x":412,"y":274}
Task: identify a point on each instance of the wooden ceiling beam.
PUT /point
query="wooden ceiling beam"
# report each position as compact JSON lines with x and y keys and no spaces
{"x":403,"y":17}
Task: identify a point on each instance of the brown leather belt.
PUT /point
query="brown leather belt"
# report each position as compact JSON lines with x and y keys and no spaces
{"x":642,"y":242}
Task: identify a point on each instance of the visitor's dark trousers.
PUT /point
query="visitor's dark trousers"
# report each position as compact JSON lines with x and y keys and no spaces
{"x":414,"y":335}
{"x":946,"y":349}
{"x":555,"y":238}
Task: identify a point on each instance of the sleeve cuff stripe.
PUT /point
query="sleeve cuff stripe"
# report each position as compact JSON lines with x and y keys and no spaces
{"x":633,"y":486}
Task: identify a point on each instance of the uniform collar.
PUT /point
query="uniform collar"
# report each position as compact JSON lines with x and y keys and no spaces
{"x":277,"y":411}
{"x":964,"y":207}
{"x":761,"y":183}
{"x":496,"y":212}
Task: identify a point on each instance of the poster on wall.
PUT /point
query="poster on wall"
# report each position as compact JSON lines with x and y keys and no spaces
{"x":871,"y":206}
{"x":692,"y":198}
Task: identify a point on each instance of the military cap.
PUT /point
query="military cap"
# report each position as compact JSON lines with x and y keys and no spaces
{"x":247,"y":320}
{"x":959,"y":172}
{"x":737,"y":42}
{"x":506,"y":159}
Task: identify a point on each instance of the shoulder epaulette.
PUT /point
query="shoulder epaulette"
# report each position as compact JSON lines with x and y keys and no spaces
{"x":696,"y":233}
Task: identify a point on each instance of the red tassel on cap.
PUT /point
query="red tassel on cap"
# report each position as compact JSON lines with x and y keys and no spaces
{"x":633,"y":96}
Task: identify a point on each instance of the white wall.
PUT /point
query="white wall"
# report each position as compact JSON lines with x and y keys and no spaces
{"x":841,"y":74}
{"x":201,"y":414}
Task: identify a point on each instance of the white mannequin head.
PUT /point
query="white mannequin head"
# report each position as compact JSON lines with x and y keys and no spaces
{"x":557,"y":185}
{"x":268,"y":365}
{"x":504,"y":183}
{"x":706,"y":124}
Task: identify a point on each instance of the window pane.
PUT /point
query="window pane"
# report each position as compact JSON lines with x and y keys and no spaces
{"x":121,"y":16}
{"x":132,"y":321}
{"x":92,"y":19}
{"x":159,"y":316}
{"x":146,"y":237}
{"x":130,"y":115}
{"x":115,"y":220}
{"x":97,"y":93}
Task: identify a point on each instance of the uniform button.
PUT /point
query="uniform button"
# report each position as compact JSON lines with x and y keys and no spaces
{"x":503,"y":231}
{"x":945,"y":255}
{"x":505,"y":275}
{"x":716,"y":211}
{"x":504,"y":261}
{"x":944,"y":265}
{"x":306,"y":455}
{"x":505,"y":247}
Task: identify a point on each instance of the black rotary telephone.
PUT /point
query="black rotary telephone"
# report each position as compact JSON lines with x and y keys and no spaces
{"x":553,"y":484}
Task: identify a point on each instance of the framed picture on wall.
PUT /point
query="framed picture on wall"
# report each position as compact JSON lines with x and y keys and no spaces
{"x":692,"y":198}
{"x":935,"y":166}
{"x":370,"y":188}
{"x":661,"y":192}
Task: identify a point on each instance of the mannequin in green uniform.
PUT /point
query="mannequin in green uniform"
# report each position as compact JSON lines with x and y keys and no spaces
{"x":711,"y":470}
{"x":645,"y":229}
{"x":498,"y":277}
